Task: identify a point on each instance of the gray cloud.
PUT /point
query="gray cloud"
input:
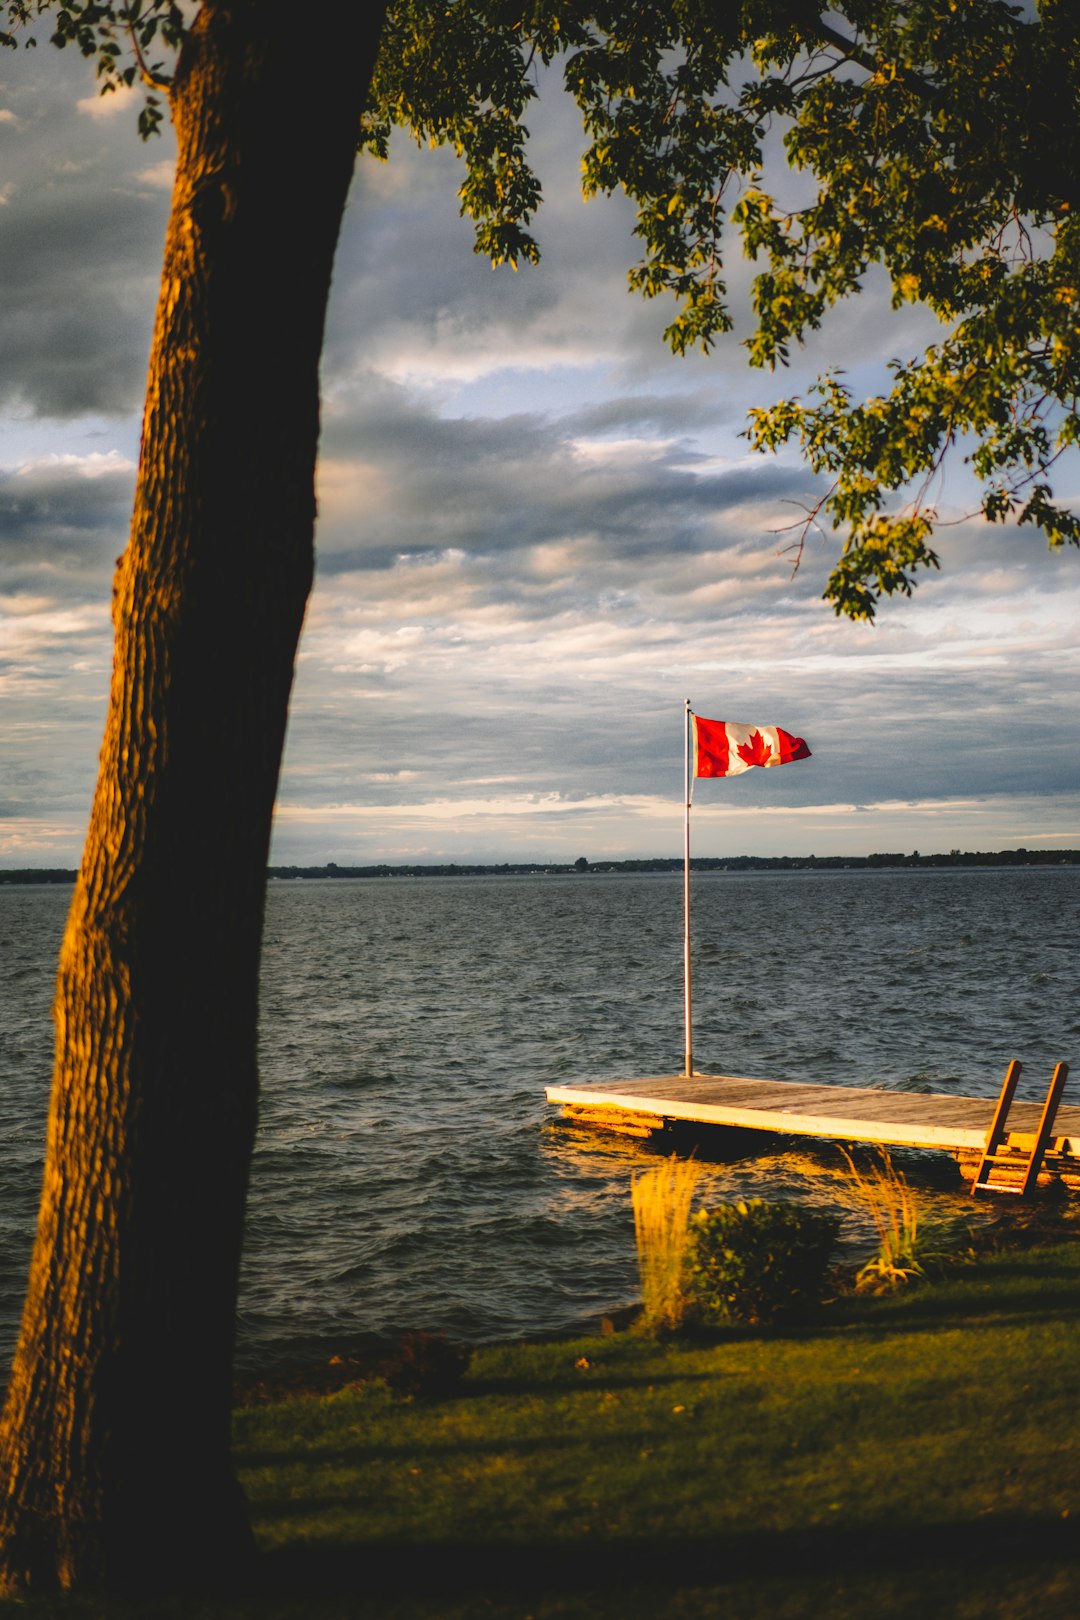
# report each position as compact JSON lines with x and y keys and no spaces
{"x":665,"y":414}
{"x":909,"y":738}
{"x":62,"y":523}
{"x":81,"y":234}
{"x":538,"y":534}
{"x":496,"y":488}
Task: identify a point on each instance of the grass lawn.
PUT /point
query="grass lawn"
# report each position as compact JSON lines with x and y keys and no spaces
{"x":913,"y":1455}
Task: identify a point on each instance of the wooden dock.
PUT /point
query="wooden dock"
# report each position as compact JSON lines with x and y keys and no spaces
{"x":836,"y":1113}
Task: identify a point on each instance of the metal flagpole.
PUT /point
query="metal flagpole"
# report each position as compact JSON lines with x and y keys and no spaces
{"x":688,"y":1043}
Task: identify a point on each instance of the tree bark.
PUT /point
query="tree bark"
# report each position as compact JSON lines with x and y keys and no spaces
{"x":114,"y":1445}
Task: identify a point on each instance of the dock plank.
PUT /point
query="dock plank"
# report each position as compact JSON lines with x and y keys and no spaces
{"x":839,"y":1113}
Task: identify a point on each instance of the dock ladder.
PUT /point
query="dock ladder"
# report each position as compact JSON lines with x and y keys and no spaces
{"x":1008,"y":1163}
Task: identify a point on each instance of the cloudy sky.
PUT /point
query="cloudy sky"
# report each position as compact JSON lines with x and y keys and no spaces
{"x":539,"y":533}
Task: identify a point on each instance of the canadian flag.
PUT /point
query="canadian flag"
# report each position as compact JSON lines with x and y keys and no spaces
{"x":722,"y":748}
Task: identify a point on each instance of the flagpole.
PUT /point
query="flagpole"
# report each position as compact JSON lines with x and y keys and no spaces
{"x":688,"y":1042}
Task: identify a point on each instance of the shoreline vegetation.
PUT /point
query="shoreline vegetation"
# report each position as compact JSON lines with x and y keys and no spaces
{"x":425,"y":1361}
{"x":905,"y":1454}
{"x":902,"y":1455}
{"x":647,"y":864}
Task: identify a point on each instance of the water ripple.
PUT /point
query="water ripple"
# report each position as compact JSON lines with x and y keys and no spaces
{"x":408,"y":1172}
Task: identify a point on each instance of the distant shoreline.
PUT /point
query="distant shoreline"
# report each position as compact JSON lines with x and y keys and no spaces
{"x":585,"y":868}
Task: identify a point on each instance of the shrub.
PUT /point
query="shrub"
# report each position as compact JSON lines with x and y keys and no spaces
{"x":661,"y":1198}
{"x":759,"y":1262}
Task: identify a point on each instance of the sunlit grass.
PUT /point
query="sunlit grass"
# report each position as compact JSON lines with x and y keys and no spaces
{"x":911,"y":1243}
{"x":662,"y":1196}
{"x":837,"y":1470}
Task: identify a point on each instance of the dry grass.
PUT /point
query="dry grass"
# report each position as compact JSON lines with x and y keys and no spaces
{"x":662,"y":1197}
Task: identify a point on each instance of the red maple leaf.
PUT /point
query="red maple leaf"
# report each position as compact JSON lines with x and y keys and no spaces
{"x":756,"y":751}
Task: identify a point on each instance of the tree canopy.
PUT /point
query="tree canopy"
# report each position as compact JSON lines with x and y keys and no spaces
{"x":939,"y":141}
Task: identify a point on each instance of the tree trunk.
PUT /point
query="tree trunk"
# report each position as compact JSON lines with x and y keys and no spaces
{"x":114,"y":1444}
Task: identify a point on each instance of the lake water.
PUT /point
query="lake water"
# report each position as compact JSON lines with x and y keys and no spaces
{"x":409,"y":1172}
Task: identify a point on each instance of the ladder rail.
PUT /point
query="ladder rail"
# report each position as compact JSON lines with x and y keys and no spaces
{"x":997,"y":1153}
{"x":996,"y":1134}
{"x":1046,"y":1125}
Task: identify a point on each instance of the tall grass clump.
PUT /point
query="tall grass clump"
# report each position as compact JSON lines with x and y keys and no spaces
{"x":911,"y":1245}
{"x":661,"y":1197}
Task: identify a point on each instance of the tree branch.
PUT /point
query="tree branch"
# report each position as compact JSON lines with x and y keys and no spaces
{"x":153,"y":81}
{"x":862,"y":58}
